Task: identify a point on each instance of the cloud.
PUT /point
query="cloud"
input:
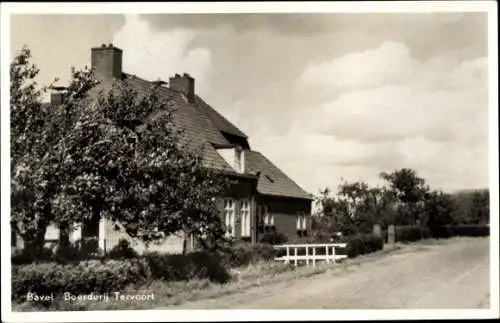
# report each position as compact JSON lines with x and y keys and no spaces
{"x":386,"y":95}
{"x":390,"y":63}
{"x":154,"y":54}
{"x":316,"y":161}
{"x":392,"y":111}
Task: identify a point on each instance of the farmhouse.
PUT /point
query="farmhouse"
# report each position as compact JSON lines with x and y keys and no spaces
{"x":265,"y":199}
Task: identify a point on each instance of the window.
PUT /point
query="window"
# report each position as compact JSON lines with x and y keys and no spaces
{"x":229,"y":216}
{"x":301,"y":224}
{"x":239,"y":159}
{"x":269,"y":225}
{"x":245,"y":218}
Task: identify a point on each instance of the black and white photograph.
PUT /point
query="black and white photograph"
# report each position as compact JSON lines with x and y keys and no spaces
{"x":172,"y":157}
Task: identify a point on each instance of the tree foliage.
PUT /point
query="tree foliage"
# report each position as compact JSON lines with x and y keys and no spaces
{"x":105,"y":152}
{"x":471,"y":207}
{"x":405,"y":199}
{"x":37,"y":133}
{"x":409,"y":191}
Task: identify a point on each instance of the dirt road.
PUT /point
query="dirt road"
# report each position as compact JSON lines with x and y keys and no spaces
{"x":453,"y":274}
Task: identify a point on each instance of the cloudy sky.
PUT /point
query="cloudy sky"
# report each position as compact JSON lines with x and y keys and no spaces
{"x":324,"y":96}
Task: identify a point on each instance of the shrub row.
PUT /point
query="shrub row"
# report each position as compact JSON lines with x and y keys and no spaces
{"x":415,"y":233}
{"x":412,"y":233}
{"x":464,"y":230}
{"x":273,"y":238}
{"x":470,"y":230}
{"x":120,"y":268}
{"x":243,"y":254}
{"x":83,"y":278}
{"x":361,"y":244}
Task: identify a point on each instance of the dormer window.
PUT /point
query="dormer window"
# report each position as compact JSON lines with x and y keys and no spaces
{"x":235,"y":157}
{"x":239,"y":160}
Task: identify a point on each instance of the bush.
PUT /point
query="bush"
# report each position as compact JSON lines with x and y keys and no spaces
{"x":122,"y":251}
{"x":101,"y":276}
{"x":71,"y":253}
{"x":471,"y":230}
{"x":412,"y":233}
{"x":86,"y":277}
{"x":27,"y":256}
{"x":465,"y":230}
{"x":273,"y":238}
{"x":196,"y":265}
{"x":243,"y":254}
{"x":361,"y":244}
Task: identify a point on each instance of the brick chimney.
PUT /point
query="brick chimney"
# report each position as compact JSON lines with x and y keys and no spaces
{"x":107,"y":62}
{"x":184,"y":84}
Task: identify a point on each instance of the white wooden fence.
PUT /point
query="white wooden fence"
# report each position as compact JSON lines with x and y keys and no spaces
{"x":328,"y":257}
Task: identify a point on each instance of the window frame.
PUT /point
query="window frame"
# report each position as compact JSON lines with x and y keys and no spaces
{"x":245,"y":218}
{"x":269,"y":223}
{"x":229,"y":216}
{"x":301,"y":224}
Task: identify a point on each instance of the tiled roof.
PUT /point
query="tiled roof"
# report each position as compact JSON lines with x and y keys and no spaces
{"x":220,"y":123}
{"x":272,"y":181}
{"x":203,"y":127}
{"x":196,"y":131}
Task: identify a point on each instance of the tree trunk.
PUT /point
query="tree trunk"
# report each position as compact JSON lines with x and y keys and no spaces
{"x":34,"y":244}
{"x":184,"y":242}
{"x":64,"y":232}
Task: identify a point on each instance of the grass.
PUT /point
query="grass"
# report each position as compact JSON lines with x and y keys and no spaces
{"x":175,"y":293}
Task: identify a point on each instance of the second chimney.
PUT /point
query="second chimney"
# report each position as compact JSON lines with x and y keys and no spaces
{"x":107,"y":62}
{"x":184,"y":84}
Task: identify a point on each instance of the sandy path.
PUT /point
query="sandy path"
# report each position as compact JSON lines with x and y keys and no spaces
{"x":453,"y":274}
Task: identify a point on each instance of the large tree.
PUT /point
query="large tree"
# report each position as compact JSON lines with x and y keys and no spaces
{"x":333,"y":215}
{"x":36,"y":131}
{"x":409,"y":190}
{"x":439,"y":208}
{"x":113,"y":153}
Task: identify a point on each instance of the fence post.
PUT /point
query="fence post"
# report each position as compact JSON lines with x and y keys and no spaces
{"x":377,"y":230}
{"x":391,"y":234}
{"x":333,"y":254}
{"x":287,"y":254}
{"x":295,"y":256}
{"x":307,"y":256}
{"x":314,"y":256}
{"x":326,"y":254}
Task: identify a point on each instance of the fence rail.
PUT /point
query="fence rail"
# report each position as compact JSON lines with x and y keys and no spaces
{"x":328,"y":256}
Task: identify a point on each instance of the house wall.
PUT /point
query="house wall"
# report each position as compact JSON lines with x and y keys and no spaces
{"x":111,"y":238}
{"x":286,"y":211}
{"x":242,"y":189}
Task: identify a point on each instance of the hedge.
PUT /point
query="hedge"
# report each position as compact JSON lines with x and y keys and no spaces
{"x":107,"y":275}
{"x":83,"y":278}
{"x":361,"y":244}
{"x":243,"y":254}
{"x":273,"y":238}
{"x":195,"y":265}
{"x":471,"y":230}
{"x":412,"y":233}
{"x":122,"y":267}
{"x":464,"y":230}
